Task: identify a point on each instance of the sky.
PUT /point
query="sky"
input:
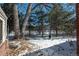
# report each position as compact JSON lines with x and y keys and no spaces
{"x":23,"y":7}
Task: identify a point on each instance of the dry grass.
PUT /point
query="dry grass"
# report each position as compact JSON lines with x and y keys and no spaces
{"x":23,"y":45}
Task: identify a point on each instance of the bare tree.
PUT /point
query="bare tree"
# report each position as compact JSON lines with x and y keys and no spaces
{"x":16,"y":21}
{"x":25,"y":23}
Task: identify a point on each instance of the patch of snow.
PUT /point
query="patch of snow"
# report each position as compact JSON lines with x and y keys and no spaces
{"x":11,"y":34}
{"x":48,"y":43}
{"x":56,"y":47}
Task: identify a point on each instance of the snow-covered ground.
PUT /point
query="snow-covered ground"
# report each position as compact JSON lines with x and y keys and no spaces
{"x":48,"y":43}
{"x":56,"y":47}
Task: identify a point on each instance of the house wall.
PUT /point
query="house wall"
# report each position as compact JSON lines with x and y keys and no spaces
{"x":0,"y":28}
{"x":3,"y":32}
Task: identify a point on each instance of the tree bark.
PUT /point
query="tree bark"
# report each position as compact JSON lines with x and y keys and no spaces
{"x":50,"y":34}
{"x":42,"y":27}
{"x":29,"y":29}
{"x":56,"y":32}
{"x":26,"y":24}
{"x":16,"y":22}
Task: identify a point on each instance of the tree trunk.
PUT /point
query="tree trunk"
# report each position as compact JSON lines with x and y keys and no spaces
{"x":77,"y":24}
{"x":42,"y":28}
{"x":16,"y":22}
{"x":39,"y":29}
{"x":56,"y":30}
{"x":50,"y":31}
{"x":29,"y":29}
{"x":50,"y":28}
{"x":25,"y":24}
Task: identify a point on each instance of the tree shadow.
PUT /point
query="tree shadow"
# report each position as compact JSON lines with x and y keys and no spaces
{"x":46,"y":37}
{"x":63,"y":49}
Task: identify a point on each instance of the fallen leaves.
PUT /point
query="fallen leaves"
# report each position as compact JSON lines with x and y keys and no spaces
{"x":17,"y":47}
